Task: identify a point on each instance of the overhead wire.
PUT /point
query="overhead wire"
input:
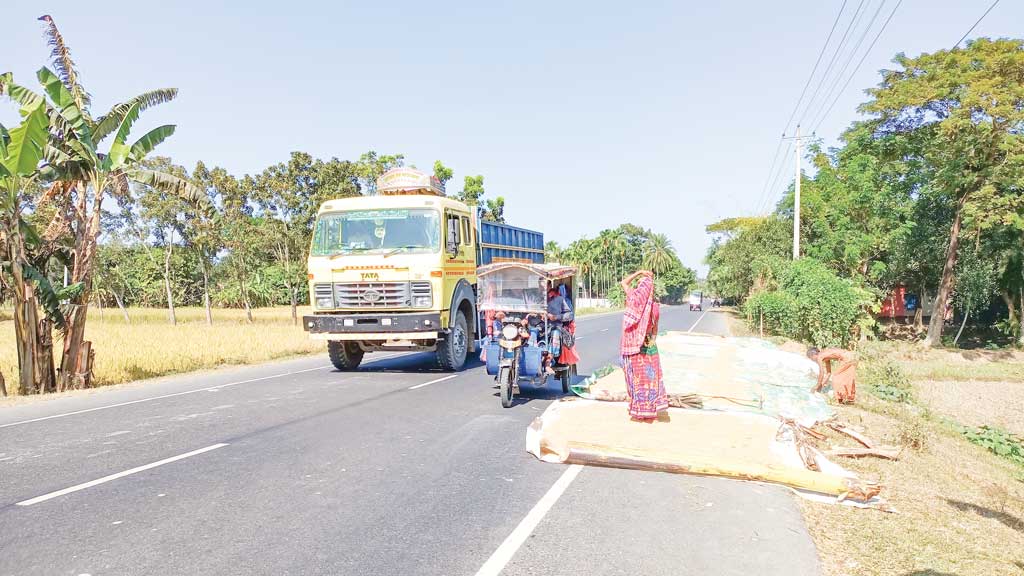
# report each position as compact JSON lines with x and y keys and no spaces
{"x":859,"y":63}
{"x":846,"y":64}
{"x":828,"y":69}
{"x":821,"y":53}
{"x":769,"y":182}
{"x":768,"y":178}
{"x":971,"y":29}
{"x":778,"y":175}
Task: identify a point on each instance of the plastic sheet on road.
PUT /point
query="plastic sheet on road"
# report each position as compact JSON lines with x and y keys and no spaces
{"x":730,"y":374}
{"x":755,"y":403}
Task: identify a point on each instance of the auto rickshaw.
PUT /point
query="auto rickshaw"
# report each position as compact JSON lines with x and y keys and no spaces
{"x":520,"y":341}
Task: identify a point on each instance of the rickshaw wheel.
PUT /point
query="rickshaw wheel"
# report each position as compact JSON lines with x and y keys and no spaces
{"x":566,"y":379}
{"x":505,"y":387}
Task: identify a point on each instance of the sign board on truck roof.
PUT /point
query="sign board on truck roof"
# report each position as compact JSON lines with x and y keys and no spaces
{"x":408,"y":181}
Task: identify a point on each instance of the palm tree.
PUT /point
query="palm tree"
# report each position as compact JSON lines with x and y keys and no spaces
{"x":659,"y":256}
{"x":580,"y":253}
{"x":553,"y":252}
{"x":82,"y":177}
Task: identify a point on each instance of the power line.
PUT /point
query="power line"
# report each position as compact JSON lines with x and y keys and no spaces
{"x":828,"y":69}
{"x":769,"y":183}
{"x":768,"y":178}
{"x":864,"y":57}
{"x":976,"y":24}
{"x":816,"y":63}
{"x":774,"y":187}
{"x":846,"y":64}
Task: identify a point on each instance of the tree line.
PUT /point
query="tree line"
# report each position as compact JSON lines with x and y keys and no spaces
{"x":926,"y":192}
{"x":604,"y":260}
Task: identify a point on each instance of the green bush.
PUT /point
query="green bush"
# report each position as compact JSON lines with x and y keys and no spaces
{"x":887,"y":380}
{"x":812,"y":304}
{"x":777,"y":310}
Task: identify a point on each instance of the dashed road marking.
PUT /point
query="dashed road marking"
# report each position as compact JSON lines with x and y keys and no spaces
{"x":105,"y":479}
{"x":433,"y":382}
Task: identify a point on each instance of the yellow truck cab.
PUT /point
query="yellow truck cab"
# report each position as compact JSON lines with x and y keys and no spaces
{"x":397,"y":270}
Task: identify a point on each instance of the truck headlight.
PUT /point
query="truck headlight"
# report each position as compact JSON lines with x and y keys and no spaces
{"x":422,"y":302}
{"x":325,"y":302}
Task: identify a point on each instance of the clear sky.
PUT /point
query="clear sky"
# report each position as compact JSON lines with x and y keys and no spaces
{"x":583,"y":115}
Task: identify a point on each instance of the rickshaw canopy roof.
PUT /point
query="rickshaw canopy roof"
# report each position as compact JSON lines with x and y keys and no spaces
{"x":547,"y":271}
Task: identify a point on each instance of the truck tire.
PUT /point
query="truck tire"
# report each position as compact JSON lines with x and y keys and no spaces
{"x":453,"y":348}
{"x":344,"y":355}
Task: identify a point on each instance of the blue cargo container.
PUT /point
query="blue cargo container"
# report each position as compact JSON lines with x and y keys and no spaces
{"x":504,"y":243}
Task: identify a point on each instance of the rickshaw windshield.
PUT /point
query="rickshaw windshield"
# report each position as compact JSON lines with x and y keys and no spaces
{"x":513,"y":290}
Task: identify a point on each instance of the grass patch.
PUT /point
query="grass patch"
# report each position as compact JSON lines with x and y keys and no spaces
{"x":949,"y":364}
{"x":886,"y":379}
{"x":592,"y":311}
{"x":150,"y":346}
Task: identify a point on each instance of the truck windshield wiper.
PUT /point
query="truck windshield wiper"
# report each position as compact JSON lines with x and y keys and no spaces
{"x":400,"y":248}
{"x":347,"y":249}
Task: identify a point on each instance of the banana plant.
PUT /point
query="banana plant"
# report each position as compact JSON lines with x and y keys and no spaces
{"x":21,"y":151}
{"x":87,"y":171}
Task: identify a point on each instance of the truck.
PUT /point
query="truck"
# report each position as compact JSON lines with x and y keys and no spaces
{"x":396,"y":271}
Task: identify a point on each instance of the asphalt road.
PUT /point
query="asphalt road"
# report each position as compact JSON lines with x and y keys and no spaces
{"x":295,"y":468}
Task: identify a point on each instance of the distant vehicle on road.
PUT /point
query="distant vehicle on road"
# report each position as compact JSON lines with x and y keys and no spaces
{"x":397,"y":271}
{"x":696,"y":302}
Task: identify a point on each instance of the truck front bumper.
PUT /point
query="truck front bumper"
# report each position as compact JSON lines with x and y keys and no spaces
{"x":377,"y":326}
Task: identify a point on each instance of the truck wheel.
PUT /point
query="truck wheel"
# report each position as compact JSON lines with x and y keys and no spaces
{"x":344,"y":355}
{"x":452,"y":350}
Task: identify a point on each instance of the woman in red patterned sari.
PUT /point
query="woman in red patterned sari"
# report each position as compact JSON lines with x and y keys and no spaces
{"x":640,"y":361}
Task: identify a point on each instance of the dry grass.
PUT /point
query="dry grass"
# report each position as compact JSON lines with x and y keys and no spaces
{"x":951,"y":364}
{"x":150,"y":346}
{"x":960,"y":509}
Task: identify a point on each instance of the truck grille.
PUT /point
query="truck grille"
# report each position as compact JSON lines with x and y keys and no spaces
{"x":373,"y":294}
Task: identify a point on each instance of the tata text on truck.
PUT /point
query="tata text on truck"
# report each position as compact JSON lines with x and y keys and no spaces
{"x":397,"y":270}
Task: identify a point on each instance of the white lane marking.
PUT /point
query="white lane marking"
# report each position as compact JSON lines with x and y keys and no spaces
{"x":137,"y":469}
{"x":698,"y":321}
{"x":207,"y":389}
{"x":604,"y":329}
{"x":496,"y":563}
{"x":433,"y":382}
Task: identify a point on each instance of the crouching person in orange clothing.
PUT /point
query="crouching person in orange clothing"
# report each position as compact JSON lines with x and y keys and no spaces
{"x":844,"y":376}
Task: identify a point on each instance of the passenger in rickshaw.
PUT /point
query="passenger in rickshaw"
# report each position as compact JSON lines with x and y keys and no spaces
{"x":560,"y":314}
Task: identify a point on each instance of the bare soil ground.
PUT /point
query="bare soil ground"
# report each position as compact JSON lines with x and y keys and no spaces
{"x":976,"y":403}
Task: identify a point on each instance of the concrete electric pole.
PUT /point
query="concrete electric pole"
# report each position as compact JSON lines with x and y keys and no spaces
{"x":796,"y":195}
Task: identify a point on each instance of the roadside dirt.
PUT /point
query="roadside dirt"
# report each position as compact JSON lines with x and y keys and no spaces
{"x":974,"y":403}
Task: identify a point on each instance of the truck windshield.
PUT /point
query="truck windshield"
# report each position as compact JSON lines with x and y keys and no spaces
{"x":414,"y":230}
